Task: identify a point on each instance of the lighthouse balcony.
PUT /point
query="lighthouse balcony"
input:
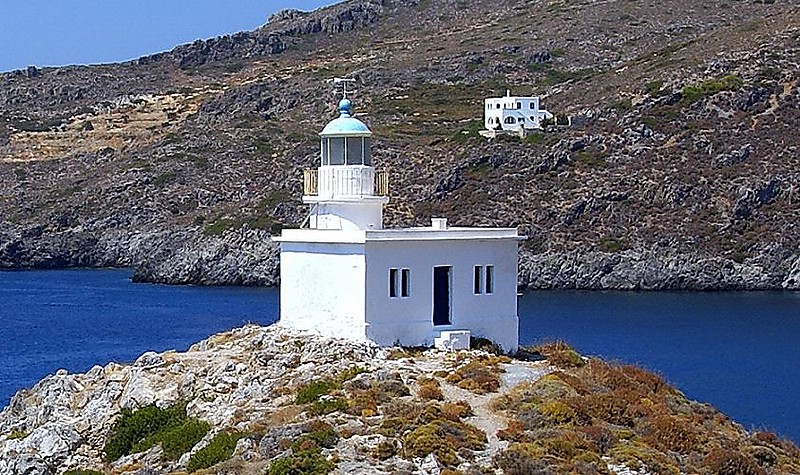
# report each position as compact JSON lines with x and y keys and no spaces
{"x":345,"y":182}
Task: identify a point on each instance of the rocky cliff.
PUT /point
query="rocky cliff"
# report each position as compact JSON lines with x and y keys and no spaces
{"x":269,"y":400}
{"x":678,"y":171}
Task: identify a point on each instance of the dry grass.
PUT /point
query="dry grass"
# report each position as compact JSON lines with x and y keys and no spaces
{"x":565,"y":421}
{"x":481,"y":375}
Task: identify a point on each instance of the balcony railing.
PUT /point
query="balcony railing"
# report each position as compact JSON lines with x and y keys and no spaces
{"x":310,"y":182}
{"x":346,"y":183}
{"x":382,"y":183}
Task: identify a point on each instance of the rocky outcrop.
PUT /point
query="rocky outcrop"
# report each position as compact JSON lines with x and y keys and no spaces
{"x":348,"y":407}
{"x":275,"y":36}
{"x":241,"y":380}
{"x":239,"y":257}
{"x":185,"y":256}
{"x":792,"y":279}
{"x":648,"y":270}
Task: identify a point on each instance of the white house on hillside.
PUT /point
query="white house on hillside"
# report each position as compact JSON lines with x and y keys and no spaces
{"x":512,"y":113}
{"x":344,"y":275}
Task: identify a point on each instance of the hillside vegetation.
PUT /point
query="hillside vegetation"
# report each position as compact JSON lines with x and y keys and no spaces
{"x":680,"y":167}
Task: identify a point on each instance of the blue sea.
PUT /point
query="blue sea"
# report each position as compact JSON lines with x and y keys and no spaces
{"x":735,"y":350}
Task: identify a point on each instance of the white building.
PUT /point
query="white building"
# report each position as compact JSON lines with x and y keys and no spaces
{"x":513,"y":113}
{"x":346,"y":276}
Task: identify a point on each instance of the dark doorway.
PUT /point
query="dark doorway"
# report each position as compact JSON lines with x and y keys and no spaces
{"x":441,"y":295}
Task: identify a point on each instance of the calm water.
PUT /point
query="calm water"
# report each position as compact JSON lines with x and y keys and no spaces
{"x":737,"y":351}
{"x":75,"y":319}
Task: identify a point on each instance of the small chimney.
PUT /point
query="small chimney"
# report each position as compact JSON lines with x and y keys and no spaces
{"x":439,"y":223}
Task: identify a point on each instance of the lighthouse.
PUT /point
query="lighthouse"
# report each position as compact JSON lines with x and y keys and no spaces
{"x":344,"y":275}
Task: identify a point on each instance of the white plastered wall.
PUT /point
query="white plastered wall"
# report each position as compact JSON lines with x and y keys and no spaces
{"x":347,"y":216}
{"x":409,"y":320}
{"x":323,"y":288}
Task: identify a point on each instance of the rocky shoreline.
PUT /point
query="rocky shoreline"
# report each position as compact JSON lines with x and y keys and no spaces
{"x":248,"y":257}
{"x":282,"y":398}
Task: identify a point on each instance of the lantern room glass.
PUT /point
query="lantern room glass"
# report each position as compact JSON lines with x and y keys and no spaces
{"x":345,"y":151}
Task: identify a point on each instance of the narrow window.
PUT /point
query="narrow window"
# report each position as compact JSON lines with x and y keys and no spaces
{"x":392,"y":283}
{"x":531,"y":105}
{"x":489,"y":279}
{"x":477,"y":283}
{"x":337,"y":151}
{"x":367,"y":151}
{"x":354,"y":151}
{"x":405,"y":283}
{"x":519,"y":105}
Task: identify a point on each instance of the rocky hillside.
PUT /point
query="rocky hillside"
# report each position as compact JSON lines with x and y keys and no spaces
{"x":679,"y":169}
{"x":268,"y":400}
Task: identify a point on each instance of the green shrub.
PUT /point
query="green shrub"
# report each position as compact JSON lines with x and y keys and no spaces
{"x":176,"y":441}
{"x":136,"y":431}
{"x":693,"y":92}
{"x":17,"y":435}
{"x":306,"y":457}
{"x":472,"y":130}
{"x":311,"y":392}
{"x":611,"y":245}
{"x":329,"y":405}
{"x":218,"y":227}
{"x":320,"y":434}
{"x":218,"y":450}
{"x":308,"y":462}
{"x":444,"y":439}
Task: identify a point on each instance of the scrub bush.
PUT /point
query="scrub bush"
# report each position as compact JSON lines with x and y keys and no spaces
{"x":455,"y":411}
{"x":328,"y":405}
{"x":17,"y":435}
{"x":727,"y":462}
{"x":674,"y":434}
{"x":480,"y":376}
{"x":429,"y":389}
{"x":309,"y":462}
{"x":384,"y":450}
{"x":218,"y":450}
{"x":175,"y":441}
{"x":312,"y":391}
{"x":560,"y":355}
{"x":444,"y":439}
{"x":306,"y":456}
{"x":136,"y":431}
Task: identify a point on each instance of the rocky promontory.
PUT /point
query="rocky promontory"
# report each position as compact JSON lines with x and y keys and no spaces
{"x":270,"y":400}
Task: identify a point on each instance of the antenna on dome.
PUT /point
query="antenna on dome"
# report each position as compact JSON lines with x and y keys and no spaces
{"x":343,"y":82}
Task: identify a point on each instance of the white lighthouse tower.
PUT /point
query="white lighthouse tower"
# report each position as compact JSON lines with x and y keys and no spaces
{"x":345,"y":276}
